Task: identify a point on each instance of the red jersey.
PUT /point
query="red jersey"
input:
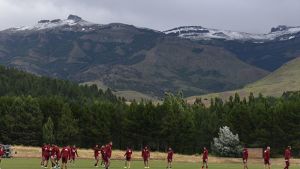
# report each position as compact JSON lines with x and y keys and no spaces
{"x":47,"y":151}
{"x":65,"y":152}
{"x":55,"y":151}
{"x":128,"y":153}
{"x":74,"y":151}
{"x":43,"y":150}
{"x":1,"y":152}
{"x":205,"y":154}
{"x":108,"y":150}
{"x":170,"y":154}
{"x":267,"y":154}
{"x":287,"y":154}
{"x":145,"y":153}
{"x":96,"y":151}
{"x":245,"y":154}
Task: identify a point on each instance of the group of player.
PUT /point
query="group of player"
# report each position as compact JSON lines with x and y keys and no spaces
{"x":267,"y":155}
{"x":54,"y":154}
{"x":104,"y":152}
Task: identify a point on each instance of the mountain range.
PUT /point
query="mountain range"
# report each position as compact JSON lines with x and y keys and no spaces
{"x":131,"y":59}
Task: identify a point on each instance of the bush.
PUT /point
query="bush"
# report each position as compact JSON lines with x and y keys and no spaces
{"x":228,"y":144}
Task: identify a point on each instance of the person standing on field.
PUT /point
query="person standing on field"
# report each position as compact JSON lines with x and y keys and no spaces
{"x":205,"y":158}
{"x":146,"y":157}
{"x":65,"y":156}
{"x":43,"y":155}
{"x":245,"y":158}
{"x":1,"y":154}
{"x":47,"y":155}
{"x":267,"y":154}
{"x":170,"y":157}
{"x":128,"y":155}
{"x":74,"y":154}
{"x":96,"y":154}
{"x":287,"y":156}
{"x":108,"y":150}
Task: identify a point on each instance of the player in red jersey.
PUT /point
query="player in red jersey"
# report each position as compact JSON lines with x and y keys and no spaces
{"x":74,"y":154}
{"x":108,"y":150}
{"x":170,"y":157}
{"x":127,"y":156}
{"x":205,"y":158}
{"x":267,"y":153}
{"x":245,"y":158}
{"x":43,"y":155}
{"x":287,"y":156}
{"x":55,"y":155}
{"x":1,"y":154}
{"x":65,"y":156}
{"x":47,"y":155}
{"x":146,"y":156}
{"x":96,"y":154}
{"x":103,"y":154}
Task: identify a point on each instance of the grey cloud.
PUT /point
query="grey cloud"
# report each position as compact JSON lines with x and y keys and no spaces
{"x":242,"y":15}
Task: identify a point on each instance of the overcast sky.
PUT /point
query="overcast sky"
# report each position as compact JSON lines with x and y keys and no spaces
{"x":256,"y":16}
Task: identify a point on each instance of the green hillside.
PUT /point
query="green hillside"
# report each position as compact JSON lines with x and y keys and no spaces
{"x":286,"y":78}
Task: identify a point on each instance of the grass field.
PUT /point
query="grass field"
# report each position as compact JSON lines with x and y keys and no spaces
{"x":33,"y":163}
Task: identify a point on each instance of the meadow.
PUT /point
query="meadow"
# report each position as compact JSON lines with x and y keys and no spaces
{"x":34,"y":163}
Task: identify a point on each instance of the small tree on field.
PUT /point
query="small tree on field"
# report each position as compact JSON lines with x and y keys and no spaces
{"x":48,"y":135}
{"x":227,"y":144}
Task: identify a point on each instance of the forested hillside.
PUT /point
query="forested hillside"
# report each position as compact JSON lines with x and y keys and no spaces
{"x":35,"y":109}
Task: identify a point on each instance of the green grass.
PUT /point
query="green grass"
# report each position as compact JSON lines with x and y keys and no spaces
{"x":88,"y":164}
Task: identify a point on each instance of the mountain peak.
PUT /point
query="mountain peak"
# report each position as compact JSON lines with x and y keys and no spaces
{"x":75,"y":18}
{"x":280,"y":28}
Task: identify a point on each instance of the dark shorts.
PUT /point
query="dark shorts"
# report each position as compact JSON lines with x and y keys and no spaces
{"x":267,"y":161}
{"x":287,"y":163}
{"x":145,"y":159}
{"x":245,"y":160}
{"x":170,"y":160}
{"x":46,"y":157}
{"x":205,"y":160}
{"x":128,"y":158}
{"x":64,"y":160}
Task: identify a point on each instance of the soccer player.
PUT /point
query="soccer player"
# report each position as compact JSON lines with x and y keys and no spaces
{"x":73,"y":153}
{"x":47,"y":154}
{"x":65,"y":156}
{"x":103,"y":154}
{"x":267,"y":153}
{"x":108,"y":151}
{"x":146,"y":157}
{"x":43,"y":155}
{"x":287,"y":156}
{"x":245,"y":158}
{"x":96,"y":154}
{"x":127,"y":156}
{"x":205,"y":158}
{"x":1,"y":154}
{"x":55,"y":155}
{"x":170,"y":157}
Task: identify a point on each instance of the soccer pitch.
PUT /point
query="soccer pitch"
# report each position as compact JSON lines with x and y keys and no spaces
{"x":34,"y":163}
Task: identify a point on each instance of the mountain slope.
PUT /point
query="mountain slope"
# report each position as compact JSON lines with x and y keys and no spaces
{"x":267,"y":51}
{"x":123,"y":57}
{"x":286,"y":78}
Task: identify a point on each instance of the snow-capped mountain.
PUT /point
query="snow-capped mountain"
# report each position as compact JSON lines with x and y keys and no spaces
{"x":71,"y":21}
{"x":200,"y":33}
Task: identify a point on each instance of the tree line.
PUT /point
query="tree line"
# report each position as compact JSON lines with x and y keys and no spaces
{"x":34,"y":110}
